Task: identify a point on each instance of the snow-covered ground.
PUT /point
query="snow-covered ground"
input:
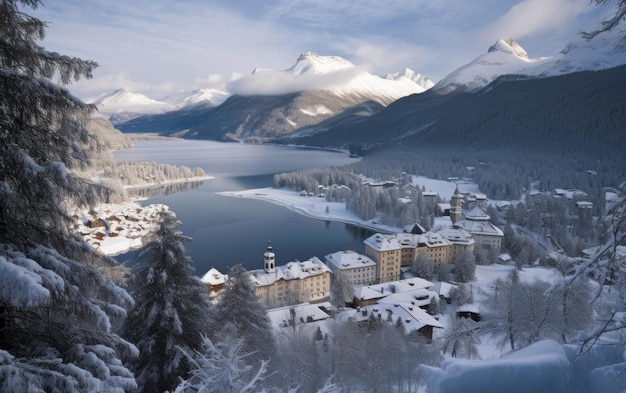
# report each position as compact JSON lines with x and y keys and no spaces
{"x":320,"y":208}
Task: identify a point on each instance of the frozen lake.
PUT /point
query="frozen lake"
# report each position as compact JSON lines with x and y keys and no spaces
{"x":227,"y":231}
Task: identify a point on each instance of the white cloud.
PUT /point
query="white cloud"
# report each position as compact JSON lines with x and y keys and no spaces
{"x":270,"y":82}
{"x":211,"y":80}
{"x":533,"y":17}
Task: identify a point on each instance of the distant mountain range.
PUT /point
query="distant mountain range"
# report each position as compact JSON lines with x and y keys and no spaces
{"x":324,"y":86}
{"x":328,"y":101}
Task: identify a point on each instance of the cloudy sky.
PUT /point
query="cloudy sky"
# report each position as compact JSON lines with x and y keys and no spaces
{"x":158,"y":47}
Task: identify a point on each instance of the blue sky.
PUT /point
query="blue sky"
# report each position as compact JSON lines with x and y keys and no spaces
{"x":158,"y":47}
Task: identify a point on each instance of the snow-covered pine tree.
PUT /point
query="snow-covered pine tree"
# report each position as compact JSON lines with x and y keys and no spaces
{"x":172,"y":310}
{"x":57,"y":315}
{"x":242,"y":314}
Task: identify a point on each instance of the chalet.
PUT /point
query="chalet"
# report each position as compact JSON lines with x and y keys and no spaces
{"x":215,"y":281}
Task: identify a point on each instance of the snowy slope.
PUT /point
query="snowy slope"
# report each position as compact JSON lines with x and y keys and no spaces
{"x":507,"y":57}
{"x":418,"y":78}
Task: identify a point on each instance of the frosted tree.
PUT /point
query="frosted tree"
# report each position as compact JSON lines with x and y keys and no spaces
{"x":221,"y":367}
{"x":423,"y":266}
{"x":607,"y":267}
{"x":460,"y":339}
{"x":172,"y":310}
{"x":298,"y":364}
{"x":465,"y":266}
{"x":242,"y":314}
{"x":58,"y":315}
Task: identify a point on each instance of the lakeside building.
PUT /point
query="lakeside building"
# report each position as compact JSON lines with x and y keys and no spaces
{"x":295,"y":282}
{"x":390,"y":252}
{"x":478,"y":224}
{"x":460,"y":240}
{"x":352,"y":267}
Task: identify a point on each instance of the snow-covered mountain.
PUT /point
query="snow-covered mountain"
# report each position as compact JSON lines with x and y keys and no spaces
{"x":124,"y":101}
{"x":507,"y":57}
{"x":314,"y":72}
{"x":303,"y":98}
{"x":210,"y":96}
{"x":420,"y":79}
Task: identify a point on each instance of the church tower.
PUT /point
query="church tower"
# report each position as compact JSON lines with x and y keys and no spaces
{"x":269,"y":259}
{"x":456,"y":202}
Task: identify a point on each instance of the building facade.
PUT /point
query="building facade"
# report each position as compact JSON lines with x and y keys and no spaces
{"x":390,"y":252}
{"x":485,"y":234}
{"x":352,"y":267}
{"x":293,"y":283}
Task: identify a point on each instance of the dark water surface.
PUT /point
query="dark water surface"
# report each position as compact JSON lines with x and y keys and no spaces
{"x":227,"y":231}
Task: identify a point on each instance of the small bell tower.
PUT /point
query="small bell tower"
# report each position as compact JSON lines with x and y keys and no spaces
{"x":269,"y":259}
{"x":456,"y":202}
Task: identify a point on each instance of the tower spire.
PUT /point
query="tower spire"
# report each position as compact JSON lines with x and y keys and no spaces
{"x":456,"y":202}
{"x":269,"y":259}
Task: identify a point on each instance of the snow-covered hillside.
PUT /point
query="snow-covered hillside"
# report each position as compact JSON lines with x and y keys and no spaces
{"x":507,"y":57}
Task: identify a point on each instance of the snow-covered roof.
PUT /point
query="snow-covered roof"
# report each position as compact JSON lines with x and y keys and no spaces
{"x":413,"y":318}
{"x":343,"y":260}
{"x":377,"y":291}
{"x":445,"y":288}
{"x":397,"y":241}
{"x":214,"y":277}
{"x":477,"y":222}
{"x":296,"y":270}
{"x":455,"y":235}
{"x":477,"y":214}
{"x":303,"y":313}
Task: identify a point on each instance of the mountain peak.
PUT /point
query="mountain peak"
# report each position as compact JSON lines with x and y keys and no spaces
{"x":311,"y":62}
{"x":420,"y":79}
{"x":508,"y":45}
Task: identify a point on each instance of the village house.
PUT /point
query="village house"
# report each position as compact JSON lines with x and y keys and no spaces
{"x":215,"y":281}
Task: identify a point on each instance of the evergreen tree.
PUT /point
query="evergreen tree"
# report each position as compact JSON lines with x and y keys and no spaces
{"x":242,"y":314}
{"x":423,"y":266}
{"x":172,"y":310}
{"x":57,"y":314}
{"x":465,"y":266}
